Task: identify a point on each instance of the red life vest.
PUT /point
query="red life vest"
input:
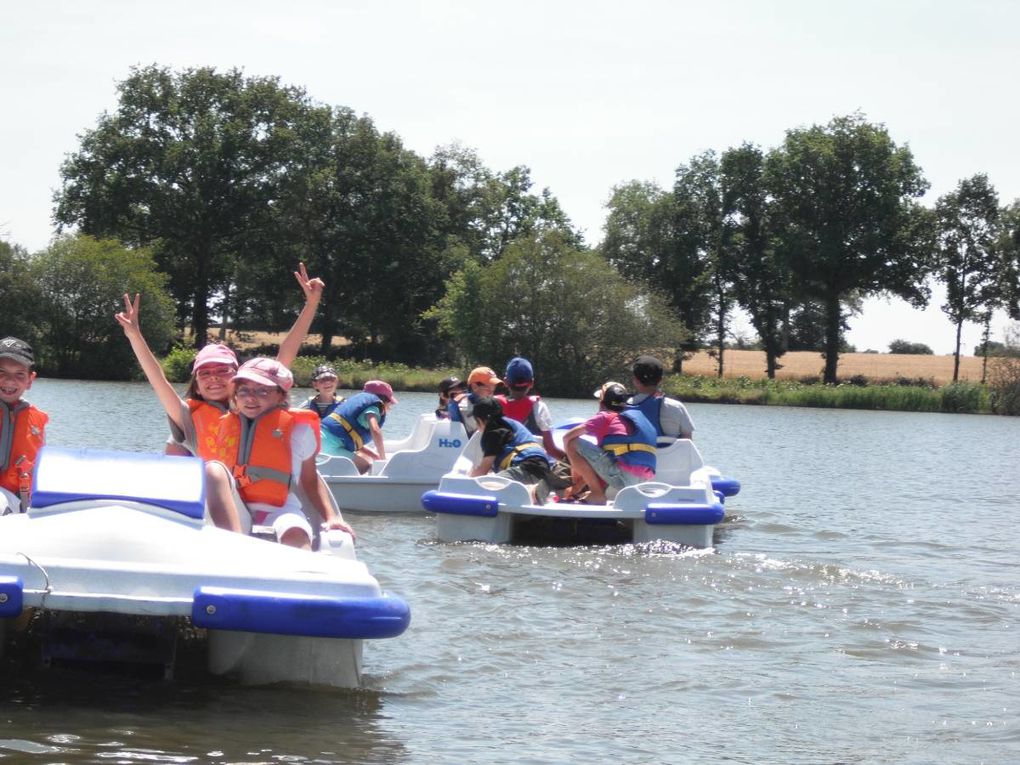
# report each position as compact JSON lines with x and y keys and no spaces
{"x":26,"y":426}
{"x":260,"y":460}
{"x":522,"y":410}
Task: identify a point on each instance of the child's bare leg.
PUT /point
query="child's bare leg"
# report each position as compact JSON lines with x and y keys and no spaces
{"x":219,"y":497}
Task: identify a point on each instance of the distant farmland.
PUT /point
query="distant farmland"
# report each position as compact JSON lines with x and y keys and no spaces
{"x":874,"y":366}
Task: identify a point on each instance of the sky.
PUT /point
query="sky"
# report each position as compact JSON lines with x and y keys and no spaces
{"x":588,"y":94}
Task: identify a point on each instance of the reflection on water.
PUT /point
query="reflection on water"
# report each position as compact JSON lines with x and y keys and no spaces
{"x":861,"y":605}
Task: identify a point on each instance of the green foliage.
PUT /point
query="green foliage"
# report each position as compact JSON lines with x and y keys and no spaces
{"x":82,"y":282}
{"x":848,"y":223}
{"x":905,"y":346}
{"x":917,"y":396}
{"x":189,"y":163}
{"x":21,"y":296}
{"x":1004,"y":378}
{"x":177,"y":363}
{"x":567,"y":310}
{"x":968,"y":264}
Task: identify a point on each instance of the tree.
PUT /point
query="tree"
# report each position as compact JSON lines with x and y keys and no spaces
{"x":564,"y":308}
{"x":761,"y":276}
{"x":905,"y":346}
{"x":20,"y":293}
{"x":190,"y":163}
{"x":651,"y":240}
{"x":83,"y":280}
{"x":967,"y":262}
{"x":847,"y":218}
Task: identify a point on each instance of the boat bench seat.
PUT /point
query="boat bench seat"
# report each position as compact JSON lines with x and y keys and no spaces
{"x":63,"y":475}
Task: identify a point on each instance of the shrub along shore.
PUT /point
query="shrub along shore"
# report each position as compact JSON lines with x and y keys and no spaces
{"x":908,"y":395}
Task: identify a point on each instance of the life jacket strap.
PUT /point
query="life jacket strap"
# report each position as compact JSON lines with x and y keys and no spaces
{"x":354,"y":434}
{"x":509,"y":458}
{"x":619,"y":449}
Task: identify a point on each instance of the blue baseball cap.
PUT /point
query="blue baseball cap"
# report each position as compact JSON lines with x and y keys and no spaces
{"x":519,"y":371}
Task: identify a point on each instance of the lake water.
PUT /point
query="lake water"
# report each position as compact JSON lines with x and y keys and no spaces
{"x":860,"y":606}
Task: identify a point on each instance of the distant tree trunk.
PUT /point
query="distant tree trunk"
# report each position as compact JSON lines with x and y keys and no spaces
{"x":833,"y":322}
{"x":720,"y":342}
{"x":956,"y":354}
{"x":985,"y":339}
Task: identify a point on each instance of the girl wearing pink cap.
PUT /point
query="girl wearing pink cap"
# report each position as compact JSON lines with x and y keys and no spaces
{"x":270,"y":451}
{"x":193,"y":419}
{"x":347,"y":430}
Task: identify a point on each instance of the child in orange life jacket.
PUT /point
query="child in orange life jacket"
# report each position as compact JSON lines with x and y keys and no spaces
{"x":269,"y":450}
{"x":529,"y":410}
{"x":193,"y":419}
{"x":22,"y":426}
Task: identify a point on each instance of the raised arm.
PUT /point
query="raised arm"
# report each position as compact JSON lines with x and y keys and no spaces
{"x":128,"y":320}
{"x":291,"y":344}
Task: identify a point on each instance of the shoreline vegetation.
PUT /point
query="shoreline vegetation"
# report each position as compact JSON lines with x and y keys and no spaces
{"x":893,"y":382}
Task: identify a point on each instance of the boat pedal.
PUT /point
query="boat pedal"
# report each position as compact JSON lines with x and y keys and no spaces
{"x":267,"y":533}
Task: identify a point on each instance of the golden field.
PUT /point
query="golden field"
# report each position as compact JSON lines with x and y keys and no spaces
{"x":874,"y":366}
{"x":795,"y":365}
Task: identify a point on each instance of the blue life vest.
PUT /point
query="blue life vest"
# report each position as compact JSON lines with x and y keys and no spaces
{"x":651,"y":408}
{"x":637,"y":448}
{"x":344,"y":421}
{"x":323,"y":411}
{"x":520,"y":447}
{"x":454,"y":408}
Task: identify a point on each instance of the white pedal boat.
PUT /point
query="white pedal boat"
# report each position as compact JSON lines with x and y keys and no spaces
{"x":683,"y":505}
{"x":111,"y":534}
{"x":415,"y":464}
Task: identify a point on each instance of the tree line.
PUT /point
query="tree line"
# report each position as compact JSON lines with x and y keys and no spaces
{"x":213,"y":185}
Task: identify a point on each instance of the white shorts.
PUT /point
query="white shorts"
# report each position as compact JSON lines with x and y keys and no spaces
{"x":283,"y":519}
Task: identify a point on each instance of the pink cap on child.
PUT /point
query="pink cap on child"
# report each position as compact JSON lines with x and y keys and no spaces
{"x":215,"y":353}
{"x":265,"y":372}
{"x":382,"y":389}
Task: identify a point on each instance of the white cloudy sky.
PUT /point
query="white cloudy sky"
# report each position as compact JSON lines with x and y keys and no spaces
{"x":587,"y":93}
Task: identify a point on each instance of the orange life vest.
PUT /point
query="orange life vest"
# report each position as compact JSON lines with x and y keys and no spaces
{"x":205,"y":416}
{"x":258,"y":453}
{"x":22,"y":433}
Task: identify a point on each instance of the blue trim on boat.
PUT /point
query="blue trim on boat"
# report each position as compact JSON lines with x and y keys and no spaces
{"x":460,"y":504}
{"x":223,"y":608}
{"x":69,"y":475}
{"x":11,"y":595}
{"x":689,"y":514}
{"x":729,"y":487}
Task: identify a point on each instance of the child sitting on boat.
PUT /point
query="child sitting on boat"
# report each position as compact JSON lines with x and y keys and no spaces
{"x":269,"y":450}
{"x":193,"y":419}
{"x":624,"y":450}
{"x":348,"y":429}
{"x":529,"y":410}
{"x":325,"y":400}
{"x":668,"y":416}
{"x":22,"y":426}
{"x":482,"y":383}
{"x":512,"y":450}
{"x":449,"y":387}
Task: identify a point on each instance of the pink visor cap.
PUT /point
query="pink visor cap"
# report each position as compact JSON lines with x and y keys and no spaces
{"x":265,"y":372}
{"x":382,"y":389}
{"x":215,"y":353}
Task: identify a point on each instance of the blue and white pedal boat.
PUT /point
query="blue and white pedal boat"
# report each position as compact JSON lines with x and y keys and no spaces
{"x":414,"y":465}
{"x":683,"y":505}
{"x":110,"y":534}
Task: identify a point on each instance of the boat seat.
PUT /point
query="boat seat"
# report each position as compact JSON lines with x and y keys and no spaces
{"x":63,"y":475}
{"x":675,"y":463}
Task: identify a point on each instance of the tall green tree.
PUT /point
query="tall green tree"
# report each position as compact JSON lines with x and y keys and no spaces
{"x":190,"y":163}
{"x":651,"y":239}
{"x":20,"y":294}
{"x":82,"y":281}
{"x":850,"y":223}
{"x":761,"y":275}
{"x":967,"y":262}
{"x":564,"y":308}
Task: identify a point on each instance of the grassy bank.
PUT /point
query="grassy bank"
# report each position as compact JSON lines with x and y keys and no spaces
{"x":908,"y":395}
